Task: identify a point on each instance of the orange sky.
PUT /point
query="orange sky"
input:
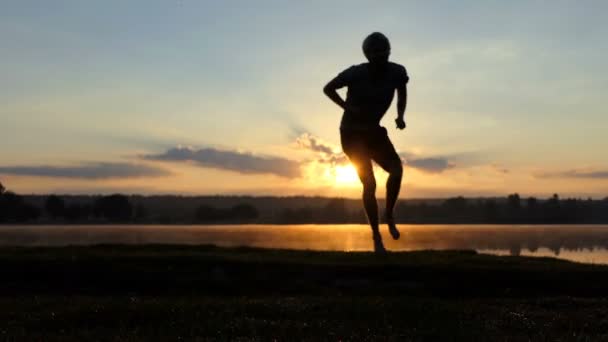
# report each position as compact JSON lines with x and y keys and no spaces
{"x":199,"y":98}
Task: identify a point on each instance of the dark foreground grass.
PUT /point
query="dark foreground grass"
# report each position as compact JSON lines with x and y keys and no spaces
{"x":318,"y":318}
{"x":210,"y":293}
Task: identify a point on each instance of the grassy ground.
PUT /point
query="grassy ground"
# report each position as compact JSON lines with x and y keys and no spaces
{"x":210,"y":293}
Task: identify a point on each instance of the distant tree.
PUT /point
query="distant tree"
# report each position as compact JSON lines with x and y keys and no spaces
{"x":571,"y":211}
{"x":334,"y":211}
{"x":55,"y":206}
{"x":244,"y":211}
{"x":114,"y":207}
{"x":514,"y":202}
{"x":10,"y":206}
{"x":458,"y":203}
{"x":551,"y":212}
{"x":300,"y":215}
{"x":513,"y":208}
{"x":515,"y":249}
{"x":2,"y":189}
{"x":75,"y":211}
{"x":533,"y":243}
{"x":531,"y":210}
{"x":454,"y":209}
{"x":239,"y":212}
{"x":31,"y":212}
{"x":14,"y":208}
{"x":285,"y":216}
{"x":490,"y":211}
{"x":140,"y":212}
{"x":97,"y":207}
{"x":423,"y":212}
{"x":208,"y":213}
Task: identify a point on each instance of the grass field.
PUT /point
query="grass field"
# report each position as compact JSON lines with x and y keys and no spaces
{"x":163,"y":292}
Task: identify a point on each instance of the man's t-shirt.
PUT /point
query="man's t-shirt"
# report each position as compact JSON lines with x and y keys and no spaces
{"x":371,"y":92}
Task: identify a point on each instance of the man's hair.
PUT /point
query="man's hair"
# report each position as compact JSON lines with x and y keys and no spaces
{"x":376,"y":41}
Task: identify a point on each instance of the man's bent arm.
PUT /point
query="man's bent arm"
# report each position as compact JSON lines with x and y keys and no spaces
{"x":330,"y":91}
{"x":401,"y":100}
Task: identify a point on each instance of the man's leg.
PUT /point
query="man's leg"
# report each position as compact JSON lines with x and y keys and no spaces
{"x":393,"y":185}
{"x":366,"y":175}
{"x":385,"y":155}
{"x":369,"y":199}
{"x":355,"y":147}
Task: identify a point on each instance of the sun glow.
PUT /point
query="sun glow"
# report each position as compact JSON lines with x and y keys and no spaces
{"x":346,"y":174}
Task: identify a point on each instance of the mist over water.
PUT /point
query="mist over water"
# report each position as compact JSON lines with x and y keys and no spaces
{"x":583,"y":243}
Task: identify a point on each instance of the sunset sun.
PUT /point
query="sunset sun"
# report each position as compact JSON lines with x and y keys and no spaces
{"x":346,"y":174}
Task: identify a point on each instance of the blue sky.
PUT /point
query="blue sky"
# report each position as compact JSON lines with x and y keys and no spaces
{"x":508,"y":95}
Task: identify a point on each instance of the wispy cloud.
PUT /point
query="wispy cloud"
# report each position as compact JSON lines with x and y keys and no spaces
{"x":326,"y":153}
{"x":333,"y":155}
{"x":236,"y":161}
{"x":248,"y":163}
{"x":591,"y":174}
{"x":430,"y":165}
{"x":96,"y":170}
{"x":313,"y":143}
{"x":427,"y":164}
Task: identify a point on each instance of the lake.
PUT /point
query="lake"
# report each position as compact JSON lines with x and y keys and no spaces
{"x":582,"y":243}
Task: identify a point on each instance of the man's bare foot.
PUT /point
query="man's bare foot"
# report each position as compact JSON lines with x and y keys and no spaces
{"x":392,"y":228}
{"x":378,"y":245}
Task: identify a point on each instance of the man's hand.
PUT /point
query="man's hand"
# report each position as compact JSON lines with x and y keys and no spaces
{"x":400,"y":123}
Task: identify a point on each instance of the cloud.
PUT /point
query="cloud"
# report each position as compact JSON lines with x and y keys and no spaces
{"x":430,"y":165}
{"x":241,"y":162}
{"x":310,"y":142}
{"x":500,"y":168}
{"x":247,"y":163}
{"x":329,"y":155}
{"x":95,"y":170}
{"x":326,"y":152}
{"x":427,"y":164}
{"x":597,"y":174}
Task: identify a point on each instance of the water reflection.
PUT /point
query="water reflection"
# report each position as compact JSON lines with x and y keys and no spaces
{"x":573,"y":242}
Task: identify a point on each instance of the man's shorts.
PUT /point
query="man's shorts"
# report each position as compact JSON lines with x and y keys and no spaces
{"x":361,"y":146}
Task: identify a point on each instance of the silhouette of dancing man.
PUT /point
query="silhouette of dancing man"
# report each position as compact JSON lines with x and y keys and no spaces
{"x":371,"y":87}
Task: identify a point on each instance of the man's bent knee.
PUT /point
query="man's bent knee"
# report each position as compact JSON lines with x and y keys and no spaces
{"x":396,"y":168}
{"x":369,"y":185}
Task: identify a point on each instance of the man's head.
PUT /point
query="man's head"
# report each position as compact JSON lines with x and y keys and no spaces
{"x":376,"y":48}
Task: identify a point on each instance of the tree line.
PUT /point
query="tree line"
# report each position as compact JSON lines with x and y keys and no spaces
{"x":112,"y":208}
{"x":115,"y":208}
{"x":510,"y":210}
{"x":119,"y":208}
